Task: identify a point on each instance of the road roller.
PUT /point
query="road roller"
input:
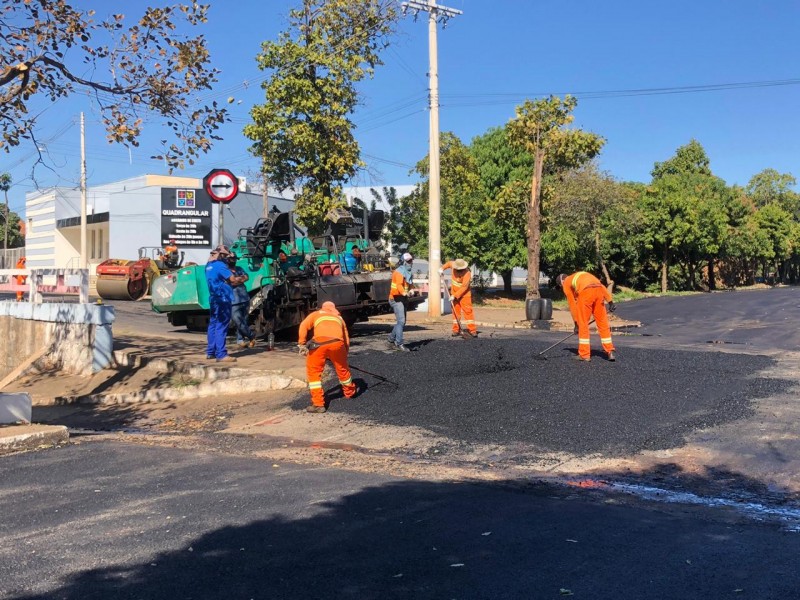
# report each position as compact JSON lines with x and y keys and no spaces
{"x":120,"y":279}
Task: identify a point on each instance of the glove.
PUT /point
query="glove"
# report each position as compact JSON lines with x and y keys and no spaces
{"x":575,"y":329}
{"x":302,"y":350}
{"x":611,"y":306}
{"x":441,"y":271}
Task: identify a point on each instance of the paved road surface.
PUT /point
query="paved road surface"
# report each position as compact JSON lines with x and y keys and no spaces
{"x":104,"y":520}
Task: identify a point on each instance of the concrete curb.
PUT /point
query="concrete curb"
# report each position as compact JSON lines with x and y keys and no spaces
{"x":239,"y":385}
{"x":45,"y":436}
{"x":208,"y":373}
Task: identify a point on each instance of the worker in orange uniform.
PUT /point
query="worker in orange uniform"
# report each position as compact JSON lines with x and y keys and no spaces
{"x":170,"y":255}
{"x":330,"y":342}
{"x":20,"y":279}
{"x":587,"y":297}
{"x":461,"y":296}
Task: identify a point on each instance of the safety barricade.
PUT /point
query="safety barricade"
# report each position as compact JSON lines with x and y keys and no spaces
{"x":47,"y":281}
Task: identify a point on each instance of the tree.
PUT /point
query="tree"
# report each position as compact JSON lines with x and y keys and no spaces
{"x":770,"y":186}
{"x":464,"y":216}
{"x":503,"y":170}
{"x":5,"y":185}
{"x":303,"y":132}
{"x":51,"y":49}
{"x":580,"y":201}
{"x":540,"y":129}
{"x":689,"y":159}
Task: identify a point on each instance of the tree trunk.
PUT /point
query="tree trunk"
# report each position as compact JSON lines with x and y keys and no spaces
{"x":506,"y":275}
{"x":664,"y":269}
{"x":534,"y":227}
{"x":712,"y":278}
{"x":603,"y":268}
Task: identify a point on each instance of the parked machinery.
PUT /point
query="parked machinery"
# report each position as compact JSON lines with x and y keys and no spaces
{"x":292,"y":275}
{"x":120,"y":279}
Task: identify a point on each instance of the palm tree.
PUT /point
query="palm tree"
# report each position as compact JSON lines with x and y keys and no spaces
{"x":5,"y":185}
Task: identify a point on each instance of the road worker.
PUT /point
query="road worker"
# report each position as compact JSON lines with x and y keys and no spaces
{"x":170,"y":256}
{"x":587,"y":297}
{"x":20,"y":279}
{"x":401,"y":288}
{"x":330,"y":342}
{"x":220,"y":301}
{"x":461,"y":296}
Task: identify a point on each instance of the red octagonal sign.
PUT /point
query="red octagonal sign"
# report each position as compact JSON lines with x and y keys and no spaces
{"x":221,"y":185}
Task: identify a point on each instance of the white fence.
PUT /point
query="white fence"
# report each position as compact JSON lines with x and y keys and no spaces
{"x":9,"y":258}
{"x":47,"y":281}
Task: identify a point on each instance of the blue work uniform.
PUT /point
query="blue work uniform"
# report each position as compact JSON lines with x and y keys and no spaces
{"x":241,"y":304}
{"x":220,"y":300}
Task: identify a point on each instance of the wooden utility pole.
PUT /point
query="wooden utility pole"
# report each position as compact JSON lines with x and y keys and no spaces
{"x":435,"y":13}
{"x":84,"y":254}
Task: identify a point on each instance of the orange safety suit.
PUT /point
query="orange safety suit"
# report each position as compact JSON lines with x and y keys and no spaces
{"x":586,"y":296}
{"x":399,"y":287}
{"x":331,"y":331}
{"x":461,"y":296}
{"x":20,"y":279}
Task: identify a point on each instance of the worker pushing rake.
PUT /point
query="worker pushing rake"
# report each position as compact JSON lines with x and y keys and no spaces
{"x":460,"y":297}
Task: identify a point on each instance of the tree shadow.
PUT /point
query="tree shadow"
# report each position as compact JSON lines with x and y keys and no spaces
{"x":280,"y":538}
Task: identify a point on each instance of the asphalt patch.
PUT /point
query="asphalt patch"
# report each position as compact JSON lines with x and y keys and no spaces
{"x":492,"y":391}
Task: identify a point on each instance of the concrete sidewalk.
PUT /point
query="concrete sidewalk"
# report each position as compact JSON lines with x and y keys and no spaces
{"x":507,"y":318}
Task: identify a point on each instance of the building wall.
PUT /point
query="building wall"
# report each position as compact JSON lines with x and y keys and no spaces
{"x":134,"y":207}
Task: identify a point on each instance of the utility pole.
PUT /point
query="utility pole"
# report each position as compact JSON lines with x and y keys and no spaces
{"x":84,"y":253}
{"x":435,"y":12}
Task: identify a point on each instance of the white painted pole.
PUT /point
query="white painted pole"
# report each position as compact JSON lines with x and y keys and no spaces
{"x":434,"y":208}
{"x":84,"y":253}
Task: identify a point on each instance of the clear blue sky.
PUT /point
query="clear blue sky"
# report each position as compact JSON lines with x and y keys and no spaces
{"x":491,"y":58}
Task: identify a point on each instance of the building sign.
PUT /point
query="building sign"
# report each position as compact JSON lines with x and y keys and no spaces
{"x":186,"y":217}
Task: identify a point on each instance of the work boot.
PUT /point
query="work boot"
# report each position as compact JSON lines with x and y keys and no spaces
{"x":473,"y":333}
{"x":456,"y":333}
{"x":612,"y":356}
{"x":252,"y":343}
{"x":580,"y":358}
{"x":242,"y":344}
{"x":315,"y":409}
{"x":227,"y":359}
{"x":402,"y":348}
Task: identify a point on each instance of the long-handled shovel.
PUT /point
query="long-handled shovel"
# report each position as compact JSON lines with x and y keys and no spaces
{"x":541,"y":355}
{"x":461,"y":331}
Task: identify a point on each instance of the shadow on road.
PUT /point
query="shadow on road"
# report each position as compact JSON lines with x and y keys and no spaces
{"x":412,"y":539}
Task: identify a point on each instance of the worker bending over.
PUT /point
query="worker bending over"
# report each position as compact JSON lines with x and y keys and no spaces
{"x":330,"y":342}
{"x":461,"y":295}
{"x":587,"y":297}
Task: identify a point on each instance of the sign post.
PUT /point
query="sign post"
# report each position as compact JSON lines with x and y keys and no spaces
{"x":222,"y":186}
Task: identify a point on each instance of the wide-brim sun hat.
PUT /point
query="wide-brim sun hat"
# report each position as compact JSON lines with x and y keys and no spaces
{"x":460,"y":264}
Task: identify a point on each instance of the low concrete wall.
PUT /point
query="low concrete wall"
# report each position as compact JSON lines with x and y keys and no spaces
{"x":78,"y":336}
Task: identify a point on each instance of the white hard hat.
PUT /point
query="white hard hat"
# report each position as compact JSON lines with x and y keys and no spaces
{"x":407,"y":257}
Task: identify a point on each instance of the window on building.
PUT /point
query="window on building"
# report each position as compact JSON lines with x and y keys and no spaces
{"x":93,"y":244}
{"x":100,"y":243}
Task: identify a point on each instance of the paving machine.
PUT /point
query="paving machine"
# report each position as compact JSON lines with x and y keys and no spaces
{"x":120,"y":279}
{"x":291,"y":274}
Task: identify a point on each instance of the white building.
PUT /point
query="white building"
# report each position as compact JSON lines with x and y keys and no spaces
{"x":126,"y":215}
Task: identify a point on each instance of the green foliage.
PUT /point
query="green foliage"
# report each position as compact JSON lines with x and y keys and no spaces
{"x":303,"y":132}
{"x":464,"y":215}
{"x":769,"y":186}
{"x":54,"y":50}
{"x":690,"y":159}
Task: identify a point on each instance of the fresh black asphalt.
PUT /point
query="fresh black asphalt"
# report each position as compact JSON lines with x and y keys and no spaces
{"x":106,"y":520}
{"x":493,"y":391}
